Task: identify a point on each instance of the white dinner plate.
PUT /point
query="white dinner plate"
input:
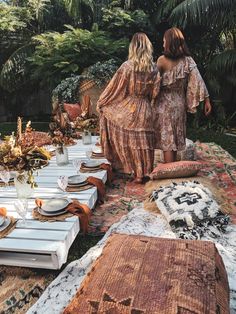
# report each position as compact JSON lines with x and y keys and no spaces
{"x":91,"y":163}
{"x":76,"y":180}
{"x":6,"y":223}
{"x":2,"y":219}
{"x":57,"y":213}
{"x":55,"y":205}
{"x":97,"y":150}
{"x":77,"y":185}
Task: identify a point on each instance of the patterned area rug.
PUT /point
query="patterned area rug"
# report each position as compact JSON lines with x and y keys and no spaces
{"x":221,"y":170}
{"x":139,"y":222}
{"x":20,"y":287}
{"x":121,"y":197}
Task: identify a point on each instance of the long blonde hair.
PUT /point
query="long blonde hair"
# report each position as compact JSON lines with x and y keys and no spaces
{"x":140,"y":53}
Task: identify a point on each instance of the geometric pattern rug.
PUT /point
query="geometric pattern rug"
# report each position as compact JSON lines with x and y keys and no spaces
{"x":138,"y":222}
{"x":121,"y":197}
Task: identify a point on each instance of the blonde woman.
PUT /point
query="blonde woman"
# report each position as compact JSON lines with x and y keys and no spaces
{"x":182,"y":89}
{"x":126,"y":111}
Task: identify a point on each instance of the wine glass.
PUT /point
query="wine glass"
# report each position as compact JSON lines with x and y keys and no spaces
{"x":5,"y":176}
{"x":77,"y":164}
{"x":21,"y":207}
{"x":62,"y":182}
{"x":89,"y":154}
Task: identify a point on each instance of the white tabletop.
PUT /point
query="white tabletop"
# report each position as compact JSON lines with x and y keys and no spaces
{"x":46,"y":244}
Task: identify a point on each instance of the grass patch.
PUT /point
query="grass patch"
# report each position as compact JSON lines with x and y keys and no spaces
{"x":6,"y":128}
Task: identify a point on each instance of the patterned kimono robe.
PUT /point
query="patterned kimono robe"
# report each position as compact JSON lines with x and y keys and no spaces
{"x":126,"y":121}
{"x":182,"y":89}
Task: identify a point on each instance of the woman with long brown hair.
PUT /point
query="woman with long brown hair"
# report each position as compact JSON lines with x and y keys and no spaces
{"x":182,"y":89}
{"x":126,"y":111}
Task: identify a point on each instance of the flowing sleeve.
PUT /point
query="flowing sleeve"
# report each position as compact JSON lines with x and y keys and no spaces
{"x":117,"y":88}
{"x":196,"y":88}
{"x":156,"y":86}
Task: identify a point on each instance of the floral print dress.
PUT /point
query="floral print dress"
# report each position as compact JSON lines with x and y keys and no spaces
{"x":127,"y":119}
{"x":182,"y":89}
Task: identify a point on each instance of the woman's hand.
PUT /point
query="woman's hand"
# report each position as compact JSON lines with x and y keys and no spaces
{"x":207,"y":107}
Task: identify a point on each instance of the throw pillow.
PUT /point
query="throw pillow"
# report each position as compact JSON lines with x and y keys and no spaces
{"x":73,"y":110}
{"x":178,"y":169}
{"x":190,"y":209}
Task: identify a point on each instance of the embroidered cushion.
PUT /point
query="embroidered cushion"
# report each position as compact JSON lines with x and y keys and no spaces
{"x":73,"y":110}
{"x":190,"y":208}
{"x":178,"y":169}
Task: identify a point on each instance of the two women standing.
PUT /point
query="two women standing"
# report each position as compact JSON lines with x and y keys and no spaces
{"x":141,"y":111}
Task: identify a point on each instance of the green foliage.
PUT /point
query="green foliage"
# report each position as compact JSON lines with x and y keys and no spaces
{"x":57,"y":55}
{"x":122,"y":23}
{"x":67,"y":90}
{"x":202,"y":12}
{"x":102,"y":72}
{"x":13,"y":18}
{"x":16,"y":68}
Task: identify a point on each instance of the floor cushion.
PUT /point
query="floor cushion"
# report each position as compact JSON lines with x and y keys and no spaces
{"x":190,"y":209}
{"x":139,"y":274}
{"x":178,"y":169}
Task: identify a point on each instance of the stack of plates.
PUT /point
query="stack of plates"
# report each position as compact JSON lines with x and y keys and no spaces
{"x":91,"y":165}
{"x":97,"y":152}
{"x":54,"y":207}
{"x":11,"y":180}
{"x":4,"y":222}
{"x":77,"y":181}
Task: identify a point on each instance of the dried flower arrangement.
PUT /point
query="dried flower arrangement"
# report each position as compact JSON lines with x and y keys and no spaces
{"x":14,"y":156}
{"x":60,"y":129}
{"x":87,"y":120}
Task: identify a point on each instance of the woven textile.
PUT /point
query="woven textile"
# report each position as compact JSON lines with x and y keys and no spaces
{"x":138,"y":274}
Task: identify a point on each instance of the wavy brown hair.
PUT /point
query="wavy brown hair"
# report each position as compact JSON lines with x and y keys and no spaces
{"x":140,"y":53}
{"x":175,"y":45}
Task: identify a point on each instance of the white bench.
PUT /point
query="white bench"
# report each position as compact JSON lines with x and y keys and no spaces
{"x":45,"y":244}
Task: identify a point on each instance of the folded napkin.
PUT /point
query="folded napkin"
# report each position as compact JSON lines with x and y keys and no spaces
{"x":74,"y":208}
{"x":82,"y":211}
{"x":100,"y":186}
{"x":103,"y":166}
{"x":108,"y":168}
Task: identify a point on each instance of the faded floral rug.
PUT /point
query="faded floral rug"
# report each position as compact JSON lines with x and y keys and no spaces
{"x":21,"y":287}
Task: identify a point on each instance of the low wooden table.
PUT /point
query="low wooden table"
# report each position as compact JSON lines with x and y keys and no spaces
{"x":45,"y":244}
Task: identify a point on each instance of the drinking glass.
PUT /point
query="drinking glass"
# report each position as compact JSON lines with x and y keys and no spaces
{"x":89,"y":154}
{"x":77,"y":164}
{"x":62,"y":182}
{"x":5,"y":176}
{"x":21,"y":207}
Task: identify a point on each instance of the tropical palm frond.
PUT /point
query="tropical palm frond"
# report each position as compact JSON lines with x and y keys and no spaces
{"x":165,"y":8}
{"x":203,"y":12}
{"x":14,"y":70}
{"x":224,"y":63}
{"x":74,"y":7}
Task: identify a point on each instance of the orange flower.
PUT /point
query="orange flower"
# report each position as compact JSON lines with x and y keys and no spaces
{"x":3,"y":211}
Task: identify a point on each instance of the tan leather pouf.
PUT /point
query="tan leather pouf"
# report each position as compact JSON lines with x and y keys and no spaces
{"x":138,"y":274}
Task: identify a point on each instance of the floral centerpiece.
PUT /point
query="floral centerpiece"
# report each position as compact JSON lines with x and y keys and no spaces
{"x":15,"y":156}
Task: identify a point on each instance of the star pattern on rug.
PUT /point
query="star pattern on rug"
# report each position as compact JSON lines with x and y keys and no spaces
{"x":109,"y":305}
